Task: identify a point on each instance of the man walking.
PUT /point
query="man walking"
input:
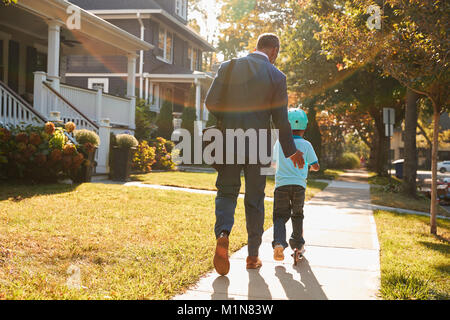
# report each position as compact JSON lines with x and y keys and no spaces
{"x":256,"y":92}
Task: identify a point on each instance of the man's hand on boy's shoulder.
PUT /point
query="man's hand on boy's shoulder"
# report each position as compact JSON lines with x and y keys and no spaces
{"x":297,"y":159}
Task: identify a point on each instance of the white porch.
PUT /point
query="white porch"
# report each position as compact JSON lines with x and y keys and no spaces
{"x":200,"y":80}
{"x":40,"y":29}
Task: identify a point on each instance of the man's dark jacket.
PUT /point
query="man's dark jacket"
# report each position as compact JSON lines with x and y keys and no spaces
{"x":257,"y":92}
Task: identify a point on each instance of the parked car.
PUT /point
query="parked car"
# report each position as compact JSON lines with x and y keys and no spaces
{"x":444,"y":166}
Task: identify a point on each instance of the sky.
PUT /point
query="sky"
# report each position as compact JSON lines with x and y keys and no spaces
{"x":208,"y":27}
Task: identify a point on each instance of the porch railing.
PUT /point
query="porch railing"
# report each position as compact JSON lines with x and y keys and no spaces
{"x":54,"y":101}
{"x":98,"y":105}
{"x":14,"y":111}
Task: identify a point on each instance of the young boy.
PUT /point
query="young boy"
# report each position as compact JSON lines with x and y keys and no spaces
{"x":290,"y":187}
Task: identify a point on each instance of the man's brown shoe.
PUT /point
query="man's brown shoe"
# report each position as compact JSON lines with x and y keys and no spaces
{"x":221,"y":261}
{"x":253,"y":262}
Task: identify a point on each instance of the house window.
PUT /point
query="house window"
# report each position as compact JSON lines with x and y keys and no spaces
{"x":193,"y":59}
{"x":166,"y":45}
{"x":154,"y":99}
{"x":181,"y":8}
{"x":99,"y":83}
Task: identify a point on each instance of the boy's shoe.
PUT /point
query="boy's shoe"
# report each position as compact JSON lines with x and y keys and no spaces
{"x":278,"y":252}
{"x":298,"y":254}
{"x":253,"y":262}
{"x":221,"y":260}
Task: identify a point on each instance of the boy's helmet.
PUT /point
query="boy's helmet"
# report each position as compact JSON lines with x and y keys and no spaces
{"x":298,"y":119}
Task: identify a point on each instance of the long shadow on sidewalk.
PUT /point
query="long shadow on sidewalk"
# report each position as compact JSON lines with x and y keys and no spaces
{"x":308,"y":289}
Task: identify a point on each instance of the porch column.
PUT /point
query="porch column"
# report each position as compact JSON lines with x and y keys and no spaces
{"x":131,"y":89}
{"x":150,"y":94}
{"x":54,"y":31}
{"x":98,"y":104}
{"x":146,"y":89}
{"x":38,"y":96}
{"x":198,"y":99}
{"x":131,"y":86}
{"x":103,"y":150}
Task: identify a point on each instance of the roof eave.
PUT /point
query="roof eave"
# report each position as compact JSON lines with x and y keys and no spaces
{"x":206,"y":45}
{"x":92,"y":25}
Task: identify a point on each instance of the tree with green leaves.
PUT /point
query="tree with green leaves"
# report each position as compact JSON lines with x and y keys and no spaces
{"x":411,"y":45}
{"x":323,"y":83}
{"x":245,"y":20}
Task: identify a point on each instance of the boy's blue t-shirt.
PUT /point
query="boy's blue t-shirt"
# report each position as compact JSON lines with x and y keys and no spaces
{"x":286,"y":174}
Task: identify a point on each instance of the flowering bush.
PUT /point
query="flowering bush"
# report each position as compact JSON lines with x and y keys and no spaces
{"x":126,"y":141}
{"x":163,"y":150}
{"x":144,"y":157}
{"x":40,"y":153}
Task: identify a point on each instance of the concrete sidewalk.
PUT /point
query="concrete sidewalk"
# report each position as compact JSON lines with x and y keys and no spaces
{"x":341,"y":260}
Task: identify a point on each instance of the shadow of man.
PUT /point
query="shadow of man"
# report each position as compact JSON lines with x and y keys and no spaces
{"x":308,"y":289}
{"x":257,"y":286}
{"x":220,"y":287}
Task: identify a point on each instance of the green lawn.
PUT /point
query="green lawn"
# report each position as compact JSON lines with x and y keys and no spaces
{"x":207,"y":181}
{"x":414,"y":264}
{"x":390,"y":196}
{"x":128,"y":242}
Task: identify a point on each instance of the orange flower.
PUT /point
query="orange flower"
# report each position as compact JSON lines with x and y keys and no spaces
{"x":77,"y":161}
{"x":69,"y":149}
{"x":22,"y":137}
{"x":56,"y":155}
{"x":67,"y":162}
{"x":70,"y":127}
{"x":89,"y":147}
{"x":35,"y":139}
{"x":49,"y":128}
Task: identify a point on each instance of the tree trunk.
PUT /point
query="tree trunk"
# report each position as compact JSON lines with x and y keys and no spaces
{"x":410,"y":166}
{"x":313,"y":134}
{"x":381,"y":144}
{"x":434,"y":159}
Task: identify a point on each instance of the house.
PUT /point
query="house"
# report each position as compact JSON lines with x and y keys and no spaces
{"x":36,"y":39}
{"x":423,"y":149}
{"x":170,"y":71}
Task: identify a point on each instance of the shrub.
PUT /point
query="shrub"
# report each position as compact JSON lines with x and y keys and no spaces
{"x":126,"y":141}
{"x":86,"y":136}
{"x":349,"y":161}
{"x":165,"y":121}
{"x":144,"y":157}
{"x":38,"y":153}
{"x":145,"y":121}
{"x":188,"y":118}
{"x":163,"y":157}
